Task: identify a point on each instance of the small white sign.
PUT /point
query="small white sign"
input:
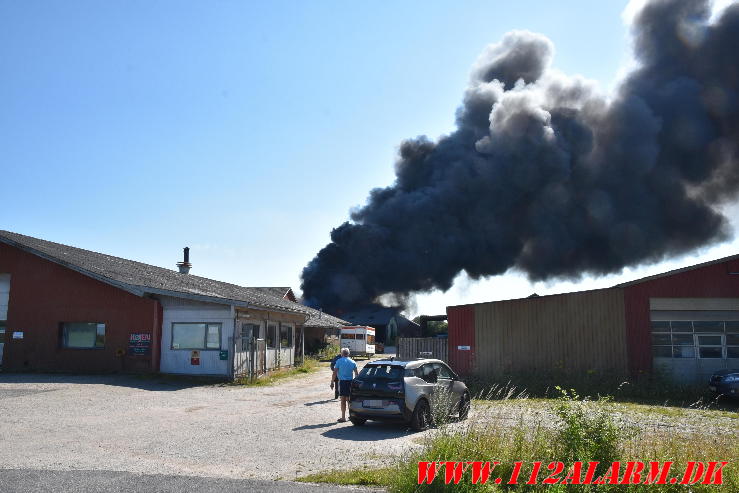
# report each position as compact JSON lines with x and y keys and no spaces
{"x":17,"y":335}
{"x":463,"y":348}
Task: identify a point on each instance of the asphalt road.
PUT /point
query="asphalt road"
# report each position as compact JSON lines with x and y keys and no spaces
{"x":42,"y":481}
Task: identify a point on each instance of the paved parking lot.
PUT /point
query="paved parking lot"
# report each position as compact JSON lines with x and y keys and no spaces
{"x":154,"y":426}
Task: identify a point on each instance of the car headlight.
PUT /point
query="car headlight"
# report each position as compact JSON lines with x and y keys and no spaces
{"x":734,"y":377}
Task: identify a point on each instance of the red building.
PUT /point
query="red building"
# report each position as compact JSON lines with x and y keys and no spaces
{"x":683,"y":322}
{"x":64,"y":308}
{"x":47,"y":299}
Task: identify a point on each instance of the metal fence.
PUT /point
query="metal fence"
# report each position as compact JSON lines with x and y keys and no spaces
{"x":249,"y":360}
{"x":422,"y":347}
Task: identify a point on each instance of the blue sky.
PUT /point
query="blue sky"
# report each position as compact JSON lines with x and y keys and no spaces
{"x":247,"y":130}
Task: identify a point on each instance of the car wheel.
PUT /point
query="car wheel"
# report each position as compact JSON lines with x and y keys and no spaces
{"x":464,"y":406}
{"x":421,"y":417}
{"x":358,"y":421}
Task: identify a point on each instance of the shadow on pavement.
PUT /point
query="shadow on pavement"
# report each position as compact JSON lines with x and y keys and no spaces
{"x":316,"y":426}
{"x":151,"y":382}
{"x":320,"y":402}
{"x":369,"y":432}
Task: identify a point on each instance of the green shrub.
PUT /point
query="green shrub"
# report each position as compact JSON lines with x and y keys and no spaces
{"x":573,"y":429}
{"x":328,"y":352}
{"x":586,"y":431}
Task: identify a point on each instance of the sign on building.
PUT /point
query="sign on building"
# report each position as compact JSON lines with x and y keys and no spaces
{"x":139,"y":344}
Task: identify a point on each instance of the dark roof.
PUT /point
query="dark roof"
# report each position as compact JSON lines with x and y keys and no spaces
{"x":379,"y":315}
{"x":140,"y":279}
{"x":316,"y":318}
{"x":678,"y":271}
{"x":280,"y":292}
{"x":319,"y":319}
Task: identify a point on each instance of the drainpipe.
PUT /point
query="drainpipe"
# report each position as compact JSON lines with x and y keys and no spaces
{"x":266,"y":336}
{"x":302,"y":343}
{"x":232,"y":345}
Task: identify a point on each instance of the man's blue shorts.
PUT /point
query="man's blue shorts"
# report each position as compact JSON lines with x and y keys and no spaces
{"x":345,"y":387}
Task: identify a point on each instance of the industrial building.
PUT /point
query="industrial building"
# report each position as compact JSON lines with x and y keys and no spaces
{"x":683,"y":323}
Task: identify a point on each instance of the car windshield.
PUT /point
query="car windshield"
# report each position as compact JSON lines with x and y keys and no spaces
{"x":388,"y":372}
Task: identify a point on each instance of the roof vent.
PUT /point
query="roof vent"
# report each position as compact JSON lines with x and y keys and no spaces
{"x":185,"y":265}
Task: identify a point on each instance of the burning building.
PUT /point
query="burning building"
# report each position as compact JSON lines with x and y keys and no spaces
{"x":546,"y":176}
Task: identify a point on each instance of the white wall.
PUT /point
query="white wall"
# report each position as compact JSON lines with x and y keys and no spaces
{"x":178,"y":360}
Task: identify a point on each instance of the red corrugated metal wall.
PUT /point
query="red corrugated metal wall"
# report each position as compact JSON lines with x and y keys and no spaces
{"x":712,"y":281}
{"x":461,"y":321}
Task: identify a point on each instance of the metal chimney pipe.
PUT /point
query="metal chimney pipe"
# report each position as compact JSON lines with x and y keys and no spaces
{"x":185,"y":265}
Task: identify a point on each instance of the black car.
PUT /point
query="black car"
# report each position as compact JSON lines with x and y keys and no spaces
{"x":725,"y":382}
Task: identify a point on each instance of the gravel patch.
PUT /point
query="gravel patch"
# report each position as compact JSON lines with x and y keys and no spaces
{"x":650,"y":419}
{"x":148,"y":426}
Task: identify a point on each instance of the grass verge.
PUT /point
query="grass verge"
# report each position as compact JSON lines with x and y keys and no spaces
{"x":356,"y":477}
{"x":309,"y":365}
{"x":568,"y":429}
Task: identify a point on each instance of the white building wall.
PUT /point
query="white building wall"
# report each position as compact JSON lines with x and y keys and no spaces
{"x":178,"y":360}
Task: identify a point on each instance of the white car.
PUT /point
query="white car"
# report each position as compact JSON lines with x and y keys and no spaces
{"x":412,"y":392}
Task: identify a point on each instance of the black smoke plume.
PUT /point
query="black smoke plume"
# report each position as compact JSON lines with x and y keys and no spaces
{"x":547,"y":176}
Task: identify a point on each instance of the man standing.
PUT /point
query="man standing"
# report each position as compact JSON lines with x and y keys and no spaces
{"x":333,"y":375}
{"x":345,"y":370}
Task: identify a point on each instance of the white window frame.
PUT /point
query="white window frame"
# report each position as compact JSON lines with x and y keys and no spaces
{"x":721,"y":346}
{"x":696,"y":335}
{"x":205,"y":337}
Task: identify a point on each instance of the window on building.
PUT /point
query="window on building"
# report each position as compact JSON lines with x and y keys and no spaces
{"x":248,"y":331}
{"x":705,"y":339}
{"x":702,"y":326}
{"x":732,"y":343}
{"x":710,"y":346}
{"x":196,"y":335}
{"x":83,"y":335}
{"x":286,"y":335}
{"x":683,"y":346}
{"x":272,"y":336}
{"x":2,"y":331}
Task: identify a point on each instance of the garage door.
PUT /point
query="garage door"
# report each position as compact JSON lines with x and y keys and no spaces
{"x":691,"y":344}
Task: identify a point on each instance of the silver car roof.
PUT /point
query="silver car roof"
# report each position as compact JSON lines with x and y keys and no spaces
{"x":405,"y":364}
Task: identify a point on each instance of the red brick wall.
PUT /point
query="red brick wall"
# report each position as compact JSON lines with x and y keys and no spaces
{"x":43,"y":294}
{"x":713,"y":281}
